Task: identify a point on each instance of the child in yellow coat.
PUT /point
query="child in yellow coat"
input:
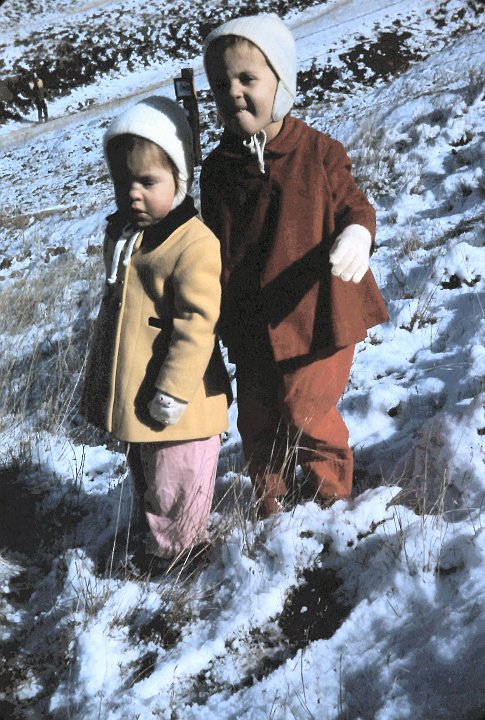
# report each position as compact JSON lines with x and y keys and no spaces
{"x":155,"y":376}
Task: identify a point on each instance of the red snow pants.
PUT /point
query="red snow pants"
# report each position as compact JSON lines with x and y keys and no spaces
{"x":290,"y":419}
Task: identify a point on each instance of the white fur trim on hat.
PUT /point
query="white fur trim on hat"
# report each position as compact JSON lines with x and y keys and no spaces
{"x":162,"y":121}
{"x":276,"y":42}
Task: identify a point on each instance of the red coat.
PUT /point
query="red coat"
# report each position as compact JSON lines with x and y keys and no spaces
{"x":276,"y":230}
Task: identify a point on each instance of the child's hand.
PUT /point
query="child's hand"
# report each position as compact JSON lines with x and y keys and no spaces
{"x":349,"y":255}
{"x":166,"y":409}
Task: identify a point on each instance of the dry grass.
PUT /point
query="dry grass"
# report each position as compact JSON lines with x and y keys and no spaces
{"x":44,"y":325}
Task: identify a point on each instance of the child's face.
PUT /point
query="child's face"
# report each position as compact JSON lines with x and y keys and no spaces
{"x":144,"y":187}
{"x":244,"y":87}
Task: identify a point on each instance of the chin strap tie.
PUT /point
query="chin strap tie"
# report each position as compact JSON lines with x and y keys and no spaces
{"x":256,"y":145}
{"x":127,"y":238}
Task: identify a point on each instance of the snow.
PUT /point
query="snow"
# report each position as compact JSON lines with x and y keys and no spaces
{"x":370,"y":609}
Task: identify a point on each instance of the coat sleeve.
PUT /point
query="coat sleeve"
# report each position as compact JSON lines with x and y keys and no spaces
{"x":197,"y":297}
{"x":350,"y":203}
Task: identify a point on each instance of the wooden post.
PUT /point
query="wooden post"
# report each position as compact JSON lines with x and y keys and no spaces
{"x":185,"y":92}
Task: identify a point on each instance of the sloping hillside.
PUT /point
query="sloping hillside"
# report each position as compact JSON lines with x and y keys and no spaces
{"x":371,"y":609}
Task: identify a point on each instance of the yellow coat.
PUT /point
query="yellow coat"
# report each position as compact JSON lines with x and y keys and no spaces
{"x":156,"y":330}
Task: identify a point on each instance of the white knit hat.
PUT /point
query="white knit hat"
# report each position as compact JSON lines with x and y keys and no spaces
{"x":162,"y":121}
{"x":272,"y":37}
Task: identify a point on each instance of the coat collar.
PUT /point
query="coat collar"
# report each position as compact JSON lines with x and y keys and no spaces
{"x":162,"y":230}
{"x":288,"y":137}
{"x":156,"y":234}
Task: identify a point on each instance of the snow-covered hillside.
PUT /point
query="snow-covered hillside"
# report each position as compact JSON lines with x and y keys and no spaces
{"x":372,"y":609}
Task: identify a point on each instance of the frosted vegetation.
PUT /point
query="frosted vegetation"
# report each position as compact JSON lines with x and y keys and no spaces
{"x":369,"y":610}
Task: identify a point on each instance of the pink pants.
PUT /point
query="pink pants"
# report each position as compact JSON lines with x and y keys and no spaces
{"x":176,"y":480}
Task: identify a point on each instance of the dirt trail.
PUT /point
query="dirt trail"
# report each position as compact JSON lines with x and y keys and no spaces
{"x":340,"y":9}
{"x":313,"y":29}
{"x":33,"y":130}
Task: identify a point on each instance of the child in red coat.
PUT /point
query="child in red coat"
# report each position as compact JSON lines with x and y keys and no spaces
{"x":296,"y":234}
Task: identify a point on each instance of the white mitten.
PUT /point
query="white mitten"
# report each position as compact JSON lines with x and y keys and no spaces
{"x":166,"y":409}
{"x":349,"y":255}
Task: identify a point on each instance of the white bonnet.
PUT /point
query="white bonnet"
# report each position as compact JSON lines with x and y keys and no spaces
{"x":274,"y":39}
{"x":162,"y":121}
